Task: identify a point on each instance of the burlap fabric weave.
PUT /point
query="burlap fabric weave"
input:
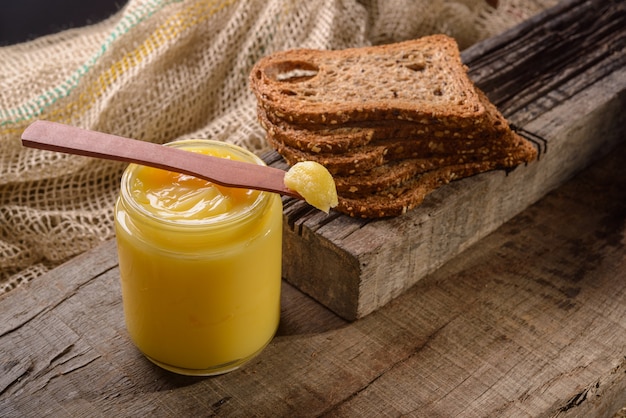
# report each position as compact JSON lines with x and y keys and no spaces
{"x":161,"y":70}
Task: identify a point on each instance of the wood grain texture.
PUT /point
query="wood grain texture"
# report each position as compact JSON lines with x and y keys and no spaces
{"x":531,"y":322}
{"x":560,"y":75}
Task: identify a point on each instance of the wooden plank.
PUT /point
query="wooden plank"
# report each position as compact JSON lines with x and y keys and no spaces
{"x":561,"y":75}
{"x":531,"y":322}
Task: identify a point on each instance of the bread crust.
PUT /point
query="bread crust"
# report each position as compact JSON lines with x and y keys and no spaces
{"x":345,"y":138}
{"x":396,"y":201}
{"x":396,"y":173}
{"x":511,"y":147}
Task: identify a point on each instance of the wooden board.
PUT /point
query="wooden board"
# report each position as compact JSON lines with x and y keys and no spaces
{"x":530,"y":323}
{"x":562,"y":76}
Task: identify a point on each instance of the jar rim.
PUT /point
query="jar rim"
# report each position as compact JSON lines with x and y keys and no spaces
{"x":221,"y":220}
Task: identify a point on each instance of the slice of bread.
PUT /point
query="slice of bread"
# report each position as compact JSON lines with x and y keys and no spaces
{"x":346,"y":138}
{"x":510,"y":146}
{"x":324,"y":139}
{"x":417,"y":80}
{"x":395,"y":201}
{"x":396,"y":173}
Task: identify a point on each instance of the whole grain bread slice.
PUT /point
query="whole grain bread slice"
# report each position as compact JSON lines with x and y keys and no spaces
{"x":325,"y":139}
{"x":396,"y":173}
{"x":509,"y":147}
{"x":415,"y":80}
{"x":346,"y":138}
{"x":397,"y":200}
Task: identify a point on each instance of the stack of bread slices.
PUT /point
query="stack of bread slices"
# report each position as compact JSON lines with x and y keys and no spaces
{"x":391,"y":123}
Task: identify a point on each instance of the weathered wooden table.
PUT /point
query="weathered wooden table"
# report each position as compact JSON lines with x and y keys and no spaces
{"x":530,"y":321}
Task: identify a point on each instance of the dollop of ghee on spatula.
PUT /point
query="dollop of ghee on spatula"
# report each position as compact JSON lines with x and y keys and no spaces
{"x":314,"y":183}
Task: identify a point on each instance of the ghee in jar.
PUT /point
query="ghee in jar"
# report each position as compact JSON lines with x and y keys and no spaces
{"x":200,"y":265}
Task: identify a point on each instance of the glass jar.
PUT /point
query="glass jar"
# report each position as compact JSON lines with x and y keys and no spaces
{"x":200,"y":265}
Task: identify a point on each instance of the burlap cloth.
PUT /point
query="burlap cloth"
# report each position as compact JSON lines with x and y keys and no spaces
{"x":162,"y":70}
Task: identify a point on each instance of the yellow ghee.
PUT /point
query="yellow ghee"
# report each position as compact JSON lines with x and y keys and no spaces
{"x":200,"y":265}
{"x":314,"y":183}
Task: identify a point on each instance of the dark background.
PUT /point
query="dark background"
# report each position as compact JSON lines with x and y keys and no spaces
{"x":22,"y":20}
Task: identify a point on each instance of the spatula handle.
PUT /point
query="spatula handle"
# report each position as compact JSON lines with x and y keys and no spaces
{"x":58,"y":137}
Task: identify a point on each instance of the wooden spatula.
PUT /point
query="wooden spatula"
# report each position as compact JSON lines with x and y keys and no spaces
{"x":58,"y":137}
